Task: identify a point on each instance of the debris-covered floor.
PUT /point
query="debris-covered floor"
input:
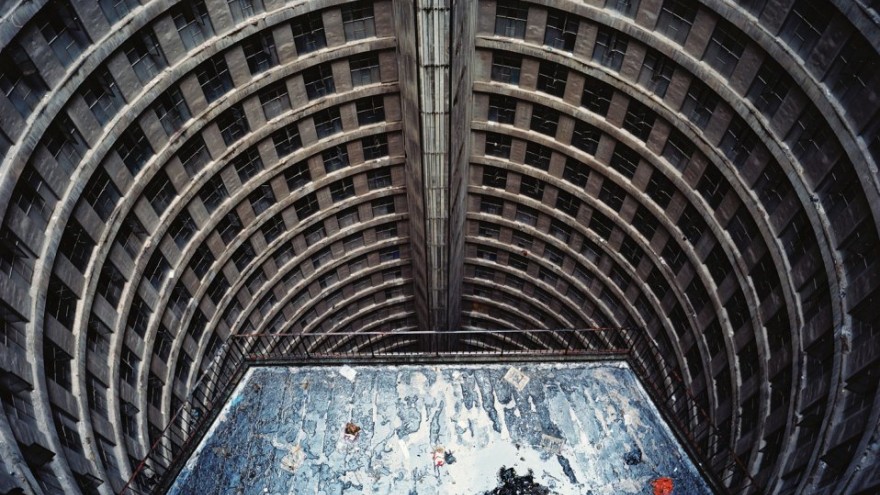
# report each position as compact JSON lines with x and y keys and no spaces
{"x":581,"y":428}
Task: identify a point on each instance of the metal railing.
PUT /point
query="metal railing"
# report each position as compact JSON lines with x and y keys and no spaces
{"x":707,"y":445}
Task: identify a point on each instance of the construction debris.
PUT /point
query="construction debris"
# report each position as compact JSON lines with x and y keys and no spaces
{"x":517,"y":379}
{"x":663,"y":486}
{"x":293,"y":459}
{"x":511,"y":484}
{"x":352,"y":431}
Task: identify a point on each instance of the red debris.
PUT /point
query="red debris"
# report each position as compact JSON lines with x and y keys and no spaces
{"x":663,"y":486}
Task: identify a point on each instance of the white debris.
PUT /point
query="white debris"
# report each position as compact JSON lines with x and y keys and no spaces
{"x":516,"y":378}
{"x":348,"y":372}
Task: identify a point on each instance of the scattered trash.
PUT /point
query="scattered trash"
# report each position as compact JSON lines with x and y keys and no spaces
{"x":511,"y":484}
{"x":516,"y":378}
{"x":633,"y":457}
{"x":352,"y":431}
{"x":438,"y":455}
{"x":552,"y":444}
{"x":293,"y":459}
{"x":663,"y":486}
{"x":348,"y":372}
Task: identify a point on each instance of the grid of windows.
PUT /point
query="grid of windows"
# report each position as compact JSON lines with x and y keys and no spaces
{"x":625,"y":7}
{"x":102,"y":95}
{"x":660,"y":189}
{"x":342,"y":189}
{"x":297,"y":176}
{"x":262,"y":198}
{"x":192,"y":22}
{"x":375,"y":146}
{"x":676,"y":19}
{"x":624,"y":160}
{"x":64,"y":142}
{"x":133,"y":148}
{"x":364,"y":69}
{"x":494,"y":177}
{"x":229,"y":226}
{"x":738,"y":141}
{"x":502,"y":109}
{"x":552,"y":78}
{"x":287,"y":139}
{"x":612,"y":195}
{"x":610,"y":48}
{"x":596,"y":96}
{"x":639,"y":119}
{"x":678,"y":150}
{"x":656,"y":73}
{"x":805,"y":23}
{"x":213,"y":193}
{"x":544,"y":120}
{"x":193,"y":155}
{"x":506,"y":67}
{"x":327,"y":122}
{"x":538,"y":156}
{"x":561,"y":31}
{"x":308,"y":33}
{"x":274,"y":100}
{"x":214,"y":78}
{"x":144,"y":54}
{"x":233,"y":124}
{"x":510,"y":19}
{"x":531,"y":187}
{"x":335,"y":158}
{"x":101,"y":192}
{"x":699,"y":103}
{"x":767,"y":92}
{"x":20,"y":80}
{"x":247,"y":164}
{"x":63,"y":31}
{"x":242,"y":9}
{"x":307,"y":206}
{"x":498,"y":145}
{"x":853,"y":71}
{"x":33,"y":196}
{"x":576,"y":172}
{"x":160,"y":192}
{"x":171,"y":110}
{"x":358,"y":21}
{"x":76,"y":244}
{"x":259,"y":52}
{"x":378,"y":179}
{"x":770,"y":87}
{"x":370,"y":110}
{"x":585,"y":137}
{"x":115,"y":10}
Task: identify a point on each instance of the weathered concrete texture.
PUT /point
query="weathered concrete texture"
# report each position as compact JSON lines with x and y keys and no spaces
{"x":571,"y":424}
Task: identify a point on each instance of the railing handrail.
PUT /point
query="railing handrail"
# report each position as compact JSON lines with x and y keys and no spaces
{"x":244,"y":350}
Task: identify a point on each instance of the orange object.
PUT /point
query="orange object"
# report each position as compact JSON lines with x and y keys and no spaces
{"x":663,"y":486}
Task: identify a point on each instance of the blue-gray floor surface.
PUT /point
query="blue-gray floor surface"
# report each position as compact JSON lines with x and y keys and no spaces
{"x":582,"y":428}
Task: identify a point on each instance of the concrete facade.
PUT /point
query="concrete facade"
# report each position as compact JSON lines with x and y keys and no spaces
{"x":703,"y":171}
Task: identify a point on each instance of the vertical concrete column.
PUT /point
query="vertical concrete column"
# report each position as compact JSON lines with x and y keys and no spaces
{"x":405,"y":28}
{"x":433,"y":33}
{"x":464,"y":27}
